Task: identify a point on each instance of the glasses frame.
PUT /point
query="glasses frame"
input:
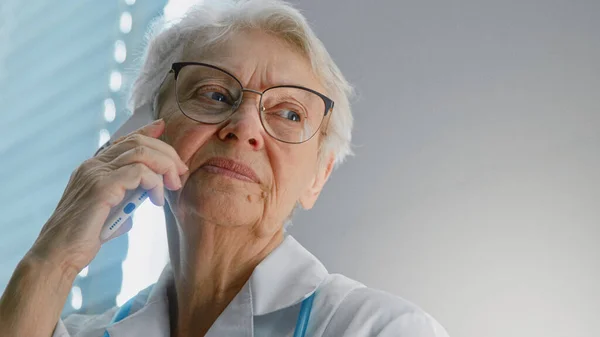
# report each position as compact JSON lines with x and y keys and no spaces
{"x":177,"y":66}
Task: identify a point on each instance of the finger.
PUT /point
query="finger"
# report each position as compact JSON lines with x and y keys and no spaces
{"x":125,"y":227}
{"x":167,"y":149}
{"x":155,"y":160}
{"x":153,"y":130}
{"x":130,"y":177}
{"x":135,"y":140}
{"x":149,"y":181}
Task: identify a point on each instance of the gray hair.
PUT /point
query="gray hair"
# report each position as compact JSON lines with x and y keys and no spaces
{"x":211,"y":22}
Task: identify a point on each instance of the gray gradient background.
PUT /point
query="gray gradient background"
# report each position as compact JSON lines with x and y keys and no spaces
{"x":474,"y":192}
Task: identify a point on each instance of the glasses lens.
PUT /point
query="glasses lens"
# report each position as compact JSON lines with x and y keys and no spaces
{"x":206,"y":94}
{"x":292,"y":114}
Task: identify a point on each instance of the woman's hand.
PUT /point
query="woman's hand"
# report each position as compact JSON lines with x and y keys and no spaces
{"x":71,"y":237}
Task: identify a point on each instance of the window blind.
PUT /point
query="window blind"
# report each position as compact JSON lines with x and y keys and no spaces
{"x":63,"y":72}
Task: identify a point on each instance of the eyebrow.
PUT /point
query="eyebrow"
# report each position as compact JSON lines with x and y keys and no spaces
{"x":222,"y":51}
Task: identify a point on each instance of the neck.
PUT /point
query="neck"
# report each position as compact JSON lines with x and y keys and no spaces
{"x":211,"y":265}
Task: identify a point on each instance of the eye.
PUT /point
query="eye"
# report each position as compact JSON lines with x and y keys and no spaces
{"x":214,"y":94}
{"x":217,"y":96}
{"x":290,"y":115}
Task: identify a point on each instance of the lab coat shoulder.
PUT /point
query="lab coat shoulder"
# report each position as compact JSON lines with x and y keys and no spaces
{"x":363,"y":311}
{"x":76,"y":325}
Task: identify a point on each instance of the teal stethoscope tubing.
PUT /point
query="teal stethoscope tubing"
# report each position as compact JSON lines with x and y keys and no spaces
{"x":303,"y":316}
{"x":301,"y":324}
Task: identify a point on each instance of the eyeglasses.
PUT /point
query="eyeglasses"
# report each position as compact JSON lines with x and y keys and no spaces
{"x":210,"y":95}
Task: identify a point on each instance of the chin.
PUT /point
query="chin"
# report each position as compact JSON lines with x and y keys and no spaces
{"x":222,"y":201}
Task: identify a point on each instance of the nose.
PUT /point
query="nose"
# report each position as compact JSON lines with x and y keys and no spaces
{"x":244,"y":126}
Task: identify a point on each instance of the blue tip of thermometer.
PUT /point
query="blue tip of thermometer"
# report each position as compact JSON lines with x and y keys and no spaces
{"x":118,"y":215}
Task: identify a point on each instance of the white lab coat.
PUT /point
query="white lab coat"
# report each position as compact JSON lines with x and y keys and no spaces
{"x":269,"y":303}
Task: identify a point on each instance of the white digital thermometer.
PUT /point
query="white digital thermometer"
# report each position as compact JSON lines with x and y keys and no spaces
{"x":133,"y":198}
{"x":118,"y":215}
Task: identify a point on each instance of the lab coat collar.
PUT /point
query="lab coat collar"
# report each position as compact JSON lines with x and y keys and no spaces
{"x":288,"y":275}
{"x":285,"y":277}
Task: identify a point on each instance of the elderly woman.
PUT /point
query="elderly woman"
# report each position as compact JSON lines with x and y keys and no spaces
{"x":251,"y":115}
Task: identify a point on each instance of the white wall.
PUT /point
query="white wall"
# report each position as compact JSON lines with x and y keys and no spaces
{"x":475,"y":190}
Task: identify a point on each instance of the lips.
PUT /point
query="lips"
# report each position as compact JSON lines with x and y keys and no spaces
{"x":230,"y":168}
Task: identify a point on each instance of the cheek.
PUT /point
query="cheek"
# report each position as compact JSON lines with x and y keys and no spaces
{"x":295,"y":169}
{"x":186,"y":136}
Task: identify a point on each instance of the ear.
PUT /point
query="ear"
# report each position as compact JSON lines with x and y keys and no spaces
{"x":309,"y":197}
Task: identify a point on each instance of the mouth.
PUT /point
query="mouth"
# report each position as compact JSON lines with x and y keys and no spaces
{"x":230,"y":168}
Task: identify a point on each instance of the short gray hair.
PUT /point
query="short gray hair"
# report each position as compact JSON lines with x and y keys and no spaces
{"x":211,"y":22}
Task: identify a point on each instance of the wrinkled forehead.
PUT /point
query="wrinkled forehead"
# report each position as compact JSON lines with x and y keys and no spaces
{"x":255,"y":53}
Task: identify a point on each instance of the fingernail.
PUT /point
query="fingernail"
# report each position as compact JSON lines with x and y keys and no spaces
{"x":156,"y":122}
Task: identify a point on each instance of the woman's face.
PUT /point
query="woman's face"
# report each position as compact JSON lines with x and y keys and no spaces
{"x":285,"y":173}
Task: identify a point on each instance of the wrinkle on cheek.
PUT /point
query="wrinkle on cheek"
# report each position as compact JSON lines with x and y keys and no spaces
{"x":183,"y":139}
{"x":167,"y":135}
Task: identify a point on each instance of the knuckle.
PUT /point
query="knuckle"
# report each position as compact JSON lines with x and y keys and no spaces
{"x":130,"y":141}
{"x":139,"y":168}
{"x":85,"y":169}
{"x":119,"y":140}
{"x":140,"y":151}
{"x":164,"y":167}
{"x":136,"y":138}
{"x":113,"y":194}
{"x":97,"y":185}
{"x":106,"y":189}
{"x":87,"y":166}
{"x":172,"y":166}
